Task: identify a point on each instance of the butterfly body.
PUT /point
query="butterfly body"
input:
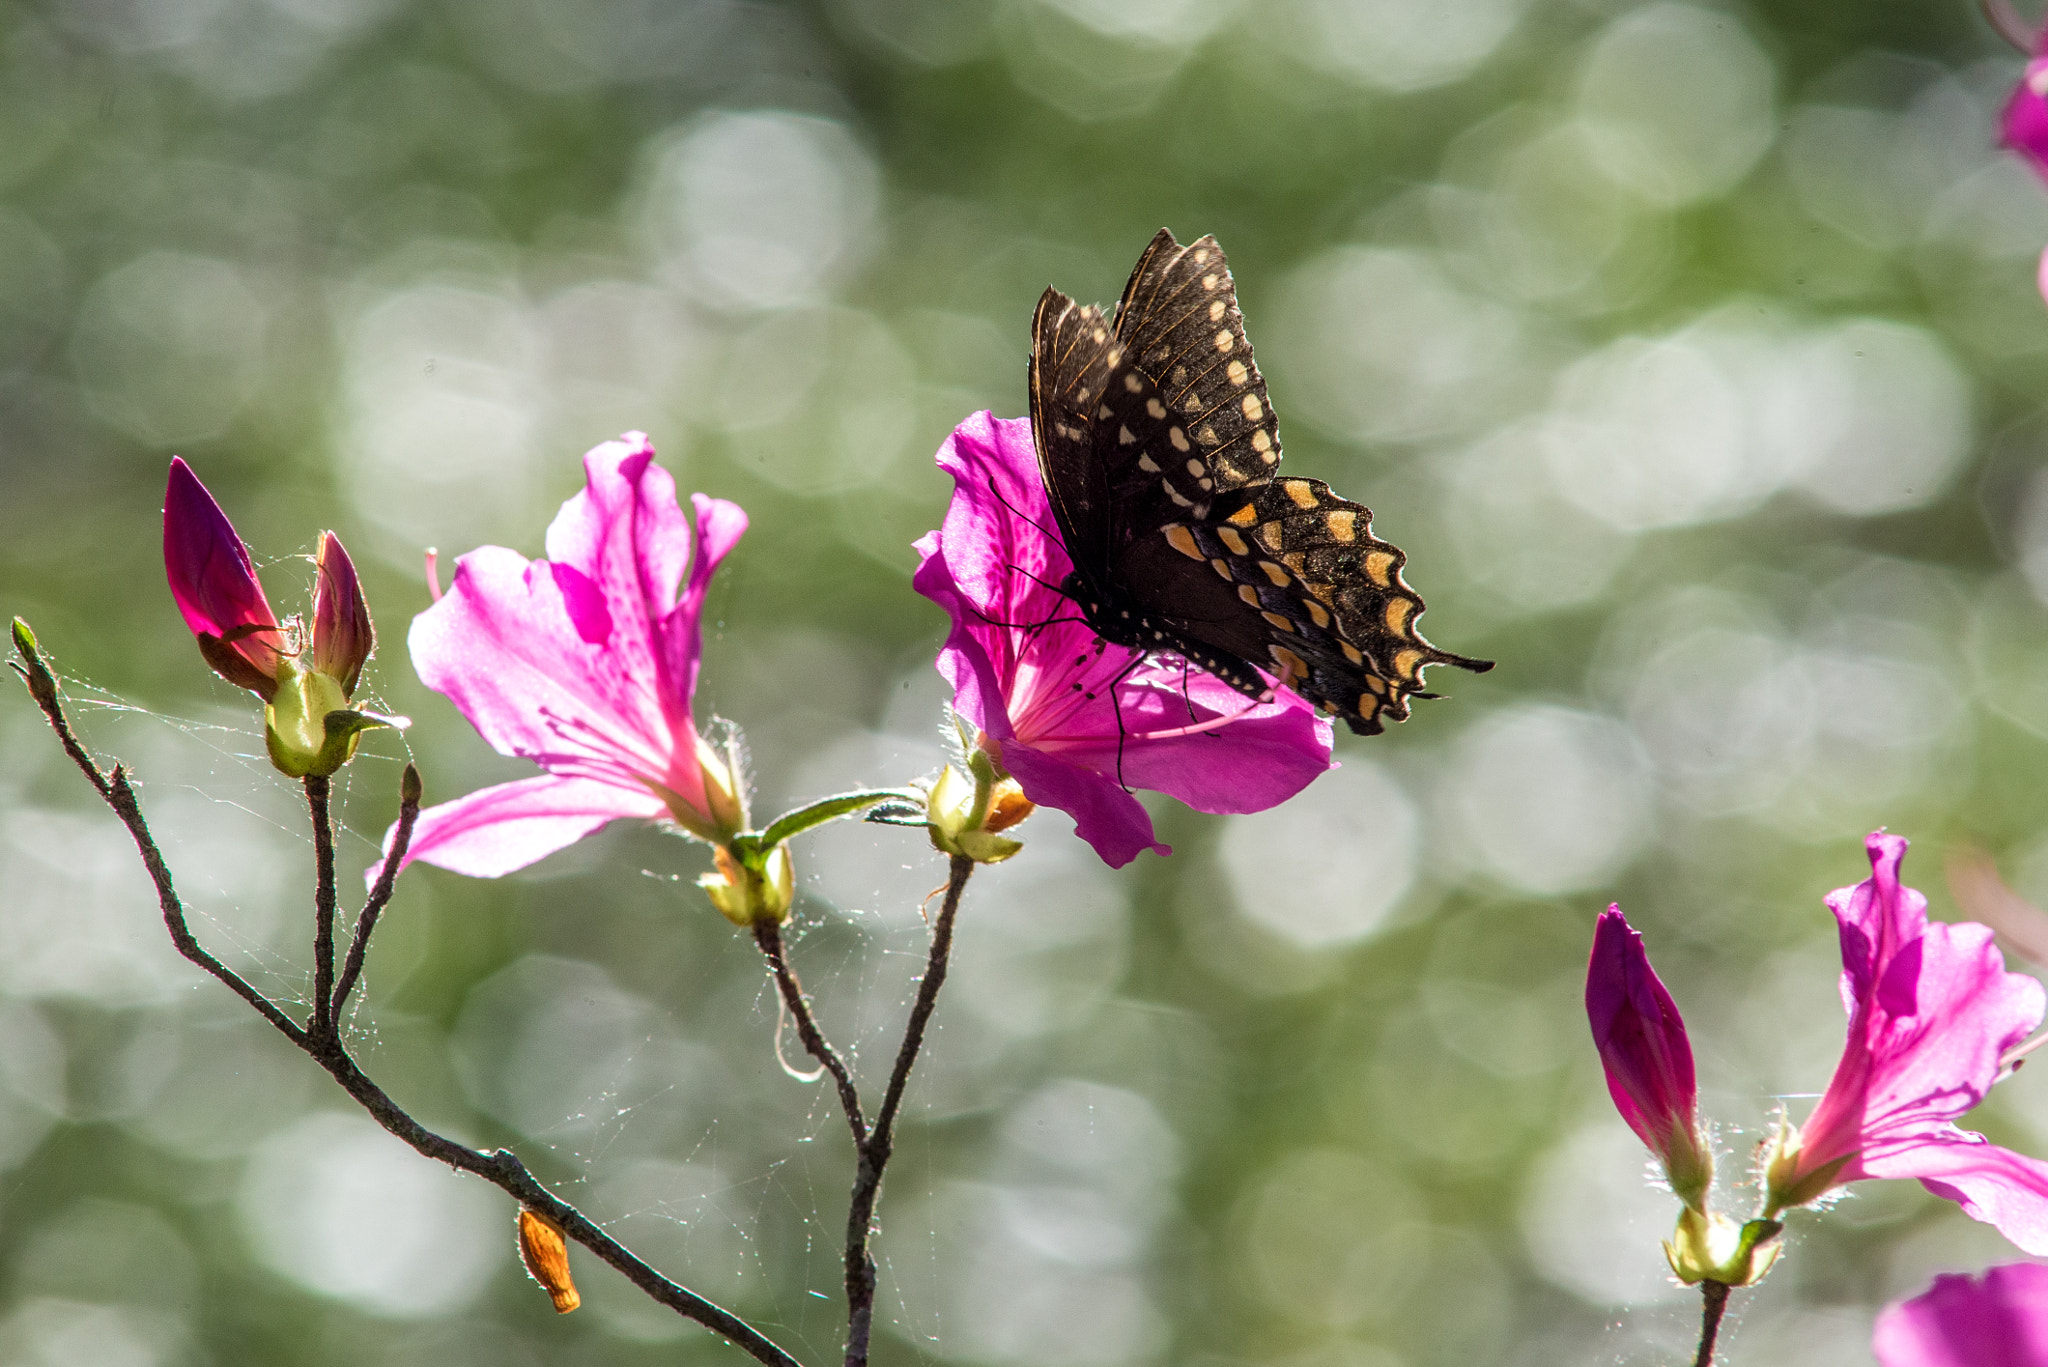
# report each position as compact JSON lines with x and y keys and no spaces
{"x":1160,"y":454}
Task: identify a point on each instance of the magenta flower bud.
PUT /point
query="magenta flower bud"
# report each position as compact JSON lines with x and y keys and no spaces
{"x":342,"y":635}
{"x":1646,"y":1055}
{"x":1962,"y":1321}
{"x":214,"y":584}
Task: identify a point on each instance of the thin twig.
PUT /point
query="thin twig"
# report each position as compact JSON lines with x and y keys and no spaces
{"x":387,"y":879}
{"x":121,"y":797}
{"x":320,"y":1022}
{"x":768,"y":935}
{"x":500,"y":1167}
{"x":1715,"y":1298}
{"x":874,"y":1154}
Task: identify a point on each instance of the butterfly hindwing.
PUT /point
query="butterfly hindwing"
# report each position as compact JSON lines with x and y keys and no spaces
{"x":1160,"y":452}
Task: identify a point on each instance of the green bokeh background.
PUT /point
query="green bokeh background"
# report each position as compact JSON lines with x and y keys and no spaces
{"x":1692,"y":353}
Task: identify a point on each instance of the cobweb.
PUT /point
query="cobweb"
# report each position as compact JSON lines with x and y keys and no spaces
{"x":622,"y":1037}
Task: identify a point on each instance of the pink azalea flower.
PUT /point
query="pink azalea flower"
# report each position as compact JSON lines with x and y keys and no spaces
{"x":1933,"y":1018}
{"x":1038,"y":683}
{"x":584,"y":663}
{"x":1998,"y":1321}
{"x":2024,"y":126}
{"x":1646,"y":1055}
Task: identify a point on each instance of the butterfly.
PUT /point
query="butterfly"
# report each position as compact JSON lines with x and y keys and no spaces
{"x":1161,"y":456}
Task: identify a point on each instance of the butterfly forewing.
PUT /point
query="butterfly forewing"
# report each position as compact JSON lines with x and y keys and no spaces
{"x":1071,"y":358}
{"x":1159,"y":449}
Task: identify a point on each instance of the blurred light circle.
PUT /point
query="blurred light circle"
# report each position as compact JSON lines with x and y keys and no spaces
{"x":1901,"y":417}
{"x":1656,"y":432}
{"x":1332,"y":1240}
{"x":760,"y":210}
{"x":53,"y":1332}
{"x":1170,"y":23}
{"x":1325,"y":868}
{"x":1591,"y":1219}
{"x":1679,"y":102}
{"x":1400,"y":45}
{"x":1729,"y":716}
{"x":170,"y":346}
{"x":346,"y":1210}
{"x":1377,"y":345}
{"x":1518,"y":536}
{"x":1551,"y":800}
{"x":442,"y":404}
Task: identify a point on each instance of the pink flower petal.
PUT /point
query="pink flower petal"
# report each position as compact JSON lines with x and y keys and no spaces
{"x":496,"y":830}
{"x":2000,"y":1320}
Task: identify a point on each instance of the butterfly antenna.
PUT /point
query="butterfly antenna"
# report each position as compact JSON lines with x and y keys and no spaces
{"x":1018,"y":513}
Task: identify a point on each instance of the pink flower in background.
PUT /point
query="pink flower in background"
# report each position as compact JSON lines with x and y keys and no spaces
{"x":1037,"y":682}
{"x":2000,"y":1320}
{"x":1646,"y":1055}
{"x":584,"y":663}
{"x":2024,"y":126}
{"x":1932,"y":1017}
{"x":213,"y":582}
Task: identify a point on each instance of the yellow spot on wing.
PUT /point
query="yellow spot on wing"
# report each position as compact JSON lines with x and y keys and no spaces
{"x":1237,"y":373}
{"x":1343,"y":524}
{"x":1245,"y":516}
{"x":1278,"y":622}
{"x":1405,"y":662}
{"x":1178,"y":438}
{"x":1379,"y":565}
{"x":1249,"y":594}
{"x":1397,"y":616}
{"x":1253,"y":409}
{"x":1231,"y":537}
{"x":1183,"y":540}
{"x":1224,"y":341}
{"x":1301,"y":491}
{"x":1155,"y":408}
{"x":1277,"y":573}
{"x":1217,"y":308}
{"x":1352,"y":652}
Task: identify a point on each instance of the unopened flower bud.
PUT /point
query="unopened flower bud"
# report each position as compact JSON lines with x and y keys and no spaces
{"x":1646,"y":1056}
{"x":1714,"y":1248}
{"x":964,"y":813}
{"x":748,"y":896}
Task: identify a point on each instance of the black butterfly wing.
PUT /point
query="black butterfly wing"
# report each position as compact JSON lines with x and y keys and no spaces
{"x":1316,"y":595}
{"x":1159,"y":448}
{"x":1072,"y":355}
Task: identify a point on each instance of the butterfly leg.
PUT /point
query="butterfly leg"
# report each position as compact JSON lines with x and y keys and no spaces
{"x":1116,"y":710}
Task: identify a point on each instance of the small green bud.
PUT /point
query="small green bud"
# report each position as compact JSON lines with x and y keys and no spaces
{"x":1713,"y":1248}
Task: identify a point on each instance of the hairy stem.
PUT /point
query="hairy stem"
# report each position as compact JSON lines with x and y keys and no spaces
{"x":874,"y":1154}
{"x":320,"y":1021}
{"x":500,"y":1167}
{"x":1714,"y":1297}
{"x":768,"y":935}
